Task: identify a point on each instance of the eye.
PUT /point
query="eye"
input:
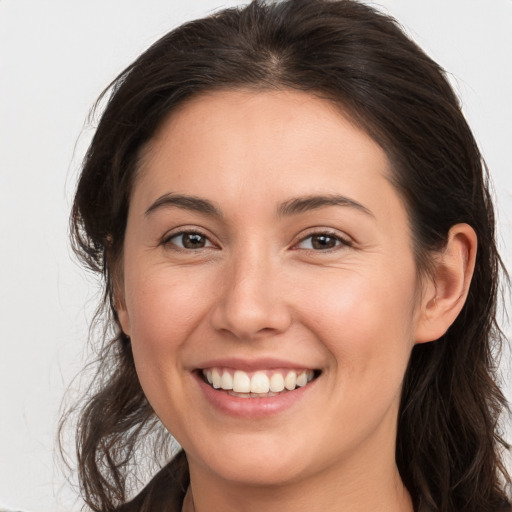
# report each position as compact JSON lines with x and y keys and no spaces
{"x":322,"y":242}
{"x":189,"y":240}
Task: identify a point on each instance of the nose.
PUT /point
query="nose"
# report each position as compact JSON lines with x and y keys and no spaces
{"x":251,"y":300}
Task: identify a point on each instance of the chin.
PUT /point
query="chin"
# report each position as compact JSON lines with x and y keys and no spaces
{"x":254,"y":461}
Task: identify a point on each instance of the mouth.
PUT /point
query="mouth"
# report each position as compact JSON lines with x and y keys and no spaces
{"x":257,"y":384}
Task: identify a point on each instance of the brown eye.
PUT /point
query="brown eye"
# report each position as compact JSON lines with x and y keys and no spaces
{"x":190,"y":240}
{"x":322,"y":242}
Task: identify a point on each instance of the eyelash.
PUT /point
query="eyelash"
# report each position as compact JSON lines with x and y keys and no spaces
{"x":168,"y":239}
{"x":339,"y":241}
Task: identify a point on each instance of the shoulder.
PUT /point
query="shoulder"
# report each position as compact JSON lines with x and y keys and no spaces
{"x":166,"y":490}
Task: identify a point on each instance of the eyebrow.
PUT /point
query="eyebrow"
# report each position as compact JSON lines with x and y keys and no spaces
{"x":185,"y":202}
{"x":293,"y":206}
{"x":313,"y":202}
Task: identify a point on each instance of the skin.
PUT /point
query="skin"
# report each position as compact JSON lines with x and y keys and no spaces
{"x":259,"y":288}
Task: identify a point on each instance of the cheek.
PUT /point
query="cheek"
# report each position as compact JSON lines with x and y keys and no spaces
{"x":164,"y":307}
{"x":365,"y":319}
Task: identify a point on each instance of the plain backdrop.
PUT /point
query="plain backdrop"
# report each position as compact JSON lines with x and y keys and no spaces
{"x":56,"y":56}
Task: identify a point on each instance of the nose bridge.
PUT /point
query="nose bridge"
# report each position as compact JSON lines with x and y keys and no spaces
{"x":251,"y":301}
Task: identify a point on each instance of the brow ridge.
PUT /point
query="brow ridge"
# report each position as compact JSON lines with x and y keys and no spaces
{"x":303,"y":204}
{"x":186,"y":202}
{"x":293,"y":206}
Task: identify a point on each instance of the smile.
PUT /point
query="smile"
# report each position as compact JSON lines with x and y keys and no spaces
{"x":258,"y":384}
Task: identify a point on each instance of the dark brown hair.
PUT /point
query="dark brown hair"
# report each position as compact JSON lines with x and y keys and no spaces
{"x":448,"y":449}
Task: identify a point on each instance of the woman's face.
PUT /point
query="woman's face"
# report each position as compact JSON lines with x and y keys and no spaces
{"x":266,"y":248}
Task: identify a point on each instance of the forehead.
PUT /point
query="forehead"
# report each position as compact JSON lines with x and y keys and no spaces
{"x":235,"y":146}
{"x":302,"y":116}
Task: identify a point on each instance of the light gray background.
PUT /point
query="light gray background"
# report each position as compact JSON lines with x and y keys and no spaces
{"x":55,"y":58}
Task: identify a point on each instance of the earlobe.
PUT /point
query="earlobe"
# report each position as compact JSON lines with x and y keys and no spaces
{"x":122,"y":315}
{"x":118,"y":296}
{"x":446,"y":291}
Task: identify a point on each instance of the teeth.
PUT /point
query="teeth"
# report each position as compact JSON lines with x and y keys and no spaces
{"x":216,"y":378}
{"x":277,"y":383}
{"x":260,"y":382}
{"x":241,"y":382}
{"x":290,"y":381}
{"x":226,"y":382}
{"x":302,"y":380}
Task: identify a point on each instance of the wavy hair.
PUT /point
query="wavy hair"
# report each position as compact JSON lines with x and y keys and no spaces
{"x":448,"y":447}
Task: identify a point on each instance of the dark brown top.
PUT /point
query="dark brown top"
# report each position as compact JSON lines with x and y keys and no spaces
{"x":166,"y":491}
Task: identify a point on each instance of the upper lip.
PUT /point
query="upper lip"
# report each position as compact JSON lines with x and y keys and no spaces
{"x":249,"y":365}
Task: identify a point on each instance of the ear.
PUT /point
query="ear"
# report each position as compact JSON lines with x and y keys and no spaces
{"x":118,"y":293}
{"x":446,"y":290}
{"x":122,"y":312}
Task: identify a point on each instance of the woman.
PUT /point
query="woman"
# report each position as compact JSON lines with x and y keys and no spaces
{"x":297,"y":240}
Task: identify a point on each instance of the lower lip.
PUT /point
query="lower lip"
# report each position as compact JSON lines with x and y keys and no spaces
{"x":253,"y":408}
